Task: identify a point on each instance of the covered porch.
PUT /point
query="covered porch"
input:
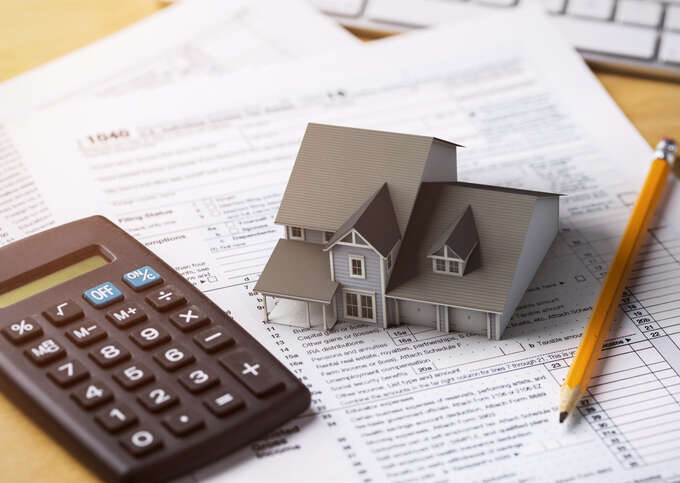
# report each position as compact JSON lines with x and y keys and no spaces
{"x":298,"y":276}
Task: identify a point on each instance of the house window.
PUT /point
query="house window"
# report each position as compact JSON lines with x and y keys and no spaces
{"x":327,"y":235}
{"x":389,"y":261}
{"x":439,"y":265}
{"x":454,"y":267}
{"x":357,"y":267}
{"x":296,"y":233}
{"x":360,"y":306}
{"x":352,"y":304}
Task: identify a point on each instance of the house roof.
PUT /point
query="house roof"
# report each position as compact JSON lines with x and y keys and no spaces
{"x":461,"y":236}
{"x":501,"y":237}
{"x":299,"y":270}
{"x":375,"y":221}
{"x":338,"y":168}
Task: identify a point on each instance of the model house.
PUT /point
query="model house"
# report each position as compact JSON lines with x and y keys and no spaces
{"x":378,"y":229}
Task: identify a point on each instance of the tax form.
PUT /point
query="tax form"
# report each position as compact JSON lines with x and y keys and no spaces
{"x":200,"y":183}
{"x":201,"y":38}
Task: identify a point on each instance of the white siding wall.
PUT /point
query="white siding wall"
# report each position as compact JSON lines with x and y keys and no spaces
{"x":371,"y":283}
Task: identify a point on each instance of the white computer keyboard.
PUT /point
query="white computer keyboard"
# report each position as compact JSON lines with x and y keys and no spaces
{"x":632,"y":35}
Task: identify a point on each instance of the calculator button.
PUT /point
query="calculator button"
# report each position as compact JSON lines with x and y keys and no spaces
{"x":109,"y":354}
{"x":165,"y":298}
{"x":68,"y":373}
{"x":223,"y":403}
{"x":251,"y":372}
{"x":157,"y":399}
{"x":63,"y":313}
{"x":141,"y":442}
{"x":173,"y":357}
{"x":103,"y":295}
{"x":142,"y":278}
{"x":133,"y":376}
{"x":189,"y":318}
{"x":92,"y":395}
{"x":198,"y":380}
{"x":126,"y":316}
{"x":22,"y":330}
{"x":149,"y":337}
{"x":213,"y":339}
{"x":116,"y":418}
{"x":45,"y":352}
{"x":86,"y":334}
{"x":183,"y":422}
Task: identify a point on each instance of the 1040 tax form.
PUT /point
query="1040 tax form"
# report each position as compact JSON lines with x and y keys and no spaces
{"x":199,"y":182}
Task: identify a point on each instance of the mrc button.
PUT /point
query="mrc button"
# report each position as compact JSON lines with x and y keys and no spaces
{"x":103,"y":295}
{"x":141,"y":278}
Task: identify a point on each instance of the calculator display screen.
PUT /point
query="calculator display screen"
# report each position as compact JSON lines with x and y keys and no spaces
{"x":50,"y":280}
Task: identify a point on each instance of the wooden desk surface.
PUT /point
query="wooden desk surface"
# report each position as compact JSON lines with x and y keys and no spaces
{"x":35,"y":31}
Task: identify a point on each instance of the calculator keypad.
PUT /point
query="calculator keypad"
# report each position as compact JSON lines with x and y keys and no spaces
{"x":92,"y":395}
{"x":103,"y":295}
{"x":141,"y":442}
{"x":223,"y":403}
{"x":158,"y":398}
{"x":126,"y":316}
{"x":142,"y":278}
{"x":166,"y":298}
{"x":63,"y":313}
{"x":189,"y":318}
{"x":110,"y":354}
{"x":116,"y":418}
{"x":150,"y":336}
{"x":213,"y":340}
{"x":133,"y":376}
{"x":68,"y":373}
{"x":250,"y":372}
{"x":182,"y":423}
{"x":86,"y":334}
{"x":198,"y":380}
{"x":22,"y":331}
{"x":46,"y":351}
{"x":173,"y":357}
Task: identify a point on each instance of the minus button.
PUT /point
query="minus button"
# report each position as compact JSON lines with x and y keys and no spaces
{"x":213,"y":339}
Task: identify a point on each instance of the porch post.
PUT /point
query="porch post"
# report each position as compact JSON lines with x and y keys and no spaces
{"x":309,"y":317}
{"x":323,"y":311}
{"x":266,"y":314}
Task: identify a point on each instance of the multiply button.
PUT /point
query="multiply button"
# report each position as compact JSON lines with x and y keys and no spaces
{"x":103,"y":295}
{"x":22,"y":330}
{"x":126,"y":316}
{"x":63,"y":313}
{"x":165,"y":298}
{"x":251,"y":372}
{"x":45,"y":352}
{"x":142,"y":278}
{"x":189,"y":318}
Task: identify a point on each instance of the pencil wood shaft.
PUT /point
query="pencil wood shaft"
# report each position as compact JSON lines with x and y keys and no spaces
{"x":605,"y":309}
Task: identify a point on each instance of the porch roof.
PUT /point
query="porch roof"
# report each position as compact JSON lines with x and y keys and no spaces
{"x":298,"y":270}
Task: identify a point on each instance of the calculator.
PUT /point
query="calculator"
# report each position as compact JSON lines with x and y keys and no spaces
{"x":125,"y":362}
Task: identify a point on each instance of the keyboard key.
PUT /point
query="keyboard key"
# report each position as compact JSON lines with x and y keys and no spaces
{"x":157,"y":399}
{"x":63,"y":313}
{"x":126,"y":316}
{"x":348,"y":8}
{"x":45,"y":352}
{"x":672,"y":21}
{"x":142,"y":278}
{"x":141,"y":442}
{"x":92,"y":395}
{"x":22,"y":331}
{"x":608,"y":38}
{"x":224,"y":403}
{"x":188,"y":319}
{"x":86,"y":334}
{"x":251,"y":372}
{"x":133,"y":376}
{"x":670,"y":48}
{"x":110,"y":354}
{"x":150,"y":336}
{"x":68,"y":373}
{"x":173,"y":358}
{"x":639,"y":12}
{"x":103,"y":295}
{"x":213,"y":339}
{"x":165,"y":298}
{"x":116,"y":418}
{"x":198,"y":380}
{"x":183,"y":422}
{"x":599,"y":9}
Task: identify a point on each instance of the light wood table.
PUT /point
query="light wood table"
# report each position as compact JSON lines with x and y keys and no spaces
{"x":35,"y":31}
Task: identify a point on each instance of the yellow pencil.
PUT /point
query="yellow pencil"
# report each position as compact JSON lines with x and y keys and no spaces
{"x":607,"y":303}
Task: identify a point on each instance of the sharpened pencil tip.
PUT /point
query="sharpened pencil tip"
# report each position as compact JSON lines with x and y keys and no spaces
{"x":563,"y":416}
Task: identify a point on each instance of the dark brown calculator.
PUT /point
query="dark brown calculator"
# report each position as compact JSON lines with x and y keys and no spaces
{"x":126,"y":363}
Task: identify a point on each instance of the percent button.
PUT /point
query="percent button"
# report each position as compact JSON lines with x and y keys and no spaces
{"x":22,"y":330}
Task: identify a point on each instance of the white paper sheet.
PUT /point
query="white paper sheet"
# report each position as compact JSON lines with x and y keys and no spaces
{"x":200,"y":38}
{"x":199,"y":183}
{"x":8,"y":232}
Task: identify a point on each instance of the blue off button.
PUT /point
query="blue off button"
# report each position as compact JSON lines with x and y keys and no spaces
{"x":103,"y":295}
{"x":141,"y":278}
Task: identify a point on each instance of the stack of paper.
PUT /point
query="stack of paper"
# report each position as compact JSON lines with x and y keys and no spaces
{"x":196,"y":169}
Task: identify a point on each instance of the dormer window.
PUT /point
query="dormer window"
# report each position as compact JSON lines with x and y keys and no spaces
{"x":448,"y":265}
{"x":456,"y":251}
{"x":296,"y":233}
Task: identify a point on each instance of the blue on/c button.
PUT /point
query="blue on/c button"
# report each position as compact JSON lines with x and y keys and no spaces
{"x":103,"y":295}
{"x":142,"y":277}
